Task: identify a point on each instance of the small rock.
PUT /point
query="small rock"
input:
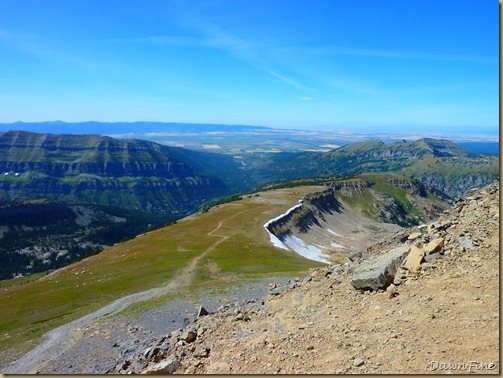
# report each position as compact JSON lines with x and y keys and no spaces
{"x":188,"y":336}
{"x":379,"y":272}
{"x":165,"y":367}
{"x":202,"y":352}
{"x":392,"y":291}
{"x":414,"y":236}
{"x":432,"y":256}
{"x":202,"y":311}
{"x":434,"y":246}
{"x":358,"y":362}
{"x":414,"y":259}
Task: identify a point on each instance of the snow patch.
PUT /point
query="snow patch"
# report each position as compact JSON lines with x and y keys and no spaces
{"x":293,"y":243}
{"x":337,"y":245}
{"x":333,"y":232}
{"x":308,"y":251}
{"x":281,"y":216}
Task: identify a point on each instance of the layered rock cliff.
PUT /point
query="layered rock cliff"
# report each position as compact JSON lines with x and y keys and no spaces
{"x":95,"y":169}
{"x":352,"y":214}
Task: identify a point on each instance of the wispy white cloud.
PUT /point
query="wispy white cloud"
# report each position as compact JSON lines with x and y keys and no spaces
{"x":251,"y":52}
{"x":290,"y":81}
{"x":379,"y":53}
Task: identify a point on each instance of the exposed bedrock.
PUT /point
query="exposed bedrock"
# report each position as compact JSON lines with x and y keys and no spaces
{"x":325,"y":229}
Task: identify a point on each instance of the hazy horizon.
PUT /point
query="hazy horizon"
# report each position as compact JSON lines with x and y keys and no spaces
{"x":291,"y":65}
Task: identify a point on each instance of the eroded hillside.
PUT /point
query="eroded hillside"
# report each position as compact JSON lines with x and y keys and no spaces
{"x":350,"y":215}
{"x":440,"y":315}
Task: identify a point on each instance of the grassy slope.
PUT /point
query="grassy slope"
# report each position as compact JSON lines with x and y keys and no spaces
{"x":152,"y":260}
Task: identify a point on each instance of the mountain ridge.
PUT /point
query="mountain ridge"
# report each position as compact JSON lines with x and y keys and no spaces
{"x":440,"y":163}
{"x":105,"y":170}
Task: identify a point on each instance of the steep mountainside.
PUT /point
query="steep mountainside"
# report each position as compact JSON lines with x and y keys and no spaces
{"x":131,"y":174}
{"x":440,"y":316}
{"x":39,"y":235}
{"x":440,"y":163}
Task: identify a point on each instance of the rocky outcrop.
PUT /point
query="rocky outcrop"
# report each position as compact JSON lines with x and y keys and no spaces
{"x":433,"y":241}
{"x":353,"y":214}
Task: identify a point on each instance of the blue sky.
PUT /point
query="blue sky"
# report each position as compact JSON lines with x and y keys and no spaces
{"x":291,"y":64}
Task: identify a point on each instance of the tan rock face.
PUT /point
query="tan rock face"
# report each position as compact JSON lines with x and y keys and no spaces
{"x":414,"y":259}
{"x":434,"y":246}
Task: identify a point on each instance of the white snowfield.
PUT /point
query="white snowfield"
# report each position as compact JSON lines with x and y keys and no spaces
{"x":293,"y":243}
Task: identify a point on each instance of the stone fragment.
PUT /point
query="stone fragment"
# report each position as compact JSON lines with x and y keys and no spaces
{"x":434,"y":246}
{"x":358,"y":362}
{"x":202,"y":311}
{"x":202,"y":352}
{"x":440,"y":225}
{"x":431,"y":256}
{"x":414,"y":236}
{"x":379,"y":272}
{"x":392,"y":291}
{"x":320,"y":273}
{"x":165,"y":367}
{"x":414,"y":259}
{"x":188,"y":335}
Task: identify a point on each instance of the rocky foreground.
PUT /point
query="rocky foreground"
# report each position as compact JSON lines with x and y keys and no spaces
{"x":424,"y":301}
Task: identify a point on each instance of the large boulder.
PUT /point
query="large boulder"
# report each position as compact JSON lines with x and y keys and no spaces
{"x":379,"y":272}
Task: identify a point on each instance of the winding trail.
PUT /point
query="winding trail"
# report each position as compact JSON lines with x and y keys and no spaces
{"x":60,"y":339}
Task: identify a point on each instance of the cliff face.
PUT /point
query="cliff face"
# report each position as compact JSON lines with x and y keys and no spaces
{"x":352,"y":214}
{"x":95,"y":169}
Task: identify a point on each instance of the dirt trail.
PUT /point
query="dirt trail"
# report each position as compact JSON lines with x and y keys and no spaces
{"x":61,"y":339}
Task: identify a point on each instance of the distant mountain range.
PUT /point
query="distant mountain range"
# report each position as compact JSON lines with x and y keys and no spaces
{"x":239,"y":140}
{"x":93,"y":127}
{"x":438,"y":162}
{"x":143,"y":175}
